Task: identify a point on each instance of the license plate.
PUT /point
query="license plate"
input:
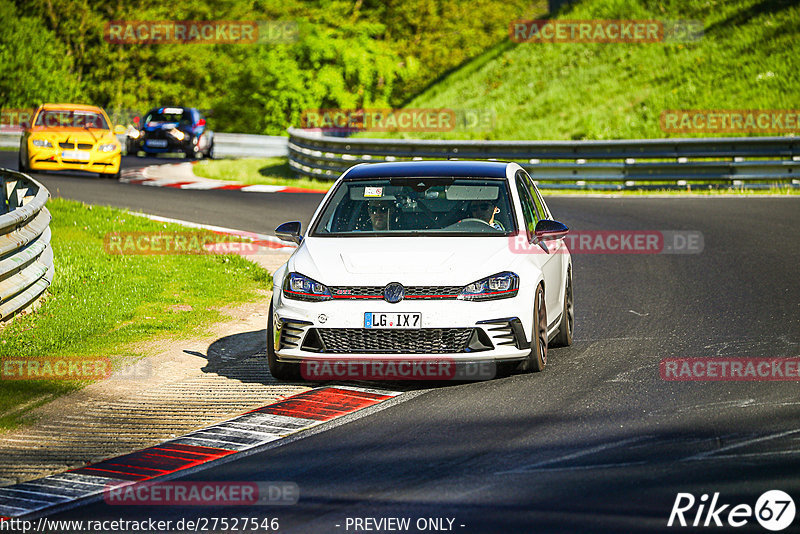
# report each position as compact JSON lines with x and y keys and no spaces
{"x":157,"y":142}
{"x":392,"y":320}
{"x":75,"y":155}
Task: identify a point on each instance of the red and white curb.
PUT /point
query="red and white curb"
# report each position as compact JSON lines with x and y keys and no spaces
{"x":180,"y":176}
{"x":200,"y":448}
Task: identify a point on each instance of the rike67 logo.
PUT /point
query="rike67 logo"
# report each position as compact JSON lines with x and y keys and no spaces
{"x":774,"y":510}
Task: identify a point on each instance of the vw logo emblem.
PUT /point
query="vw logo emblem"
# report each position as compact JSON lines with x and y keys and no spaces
{"x":394,"y":292}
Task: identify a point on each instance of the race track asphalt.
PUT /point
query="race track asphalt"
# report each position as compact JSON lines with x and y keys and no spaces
{"x":598,"y":442}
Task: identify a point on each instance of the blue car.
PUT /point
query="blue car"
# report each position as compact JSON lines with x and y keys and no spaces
{"x":170,"y":130}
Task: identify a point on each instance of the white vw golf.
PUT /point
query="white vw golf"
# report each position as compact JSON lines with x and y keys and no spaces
{"x":420,"y":261}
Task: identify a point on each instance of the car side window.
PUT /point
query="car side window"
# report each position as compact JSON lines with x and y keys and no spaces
{"x":539,"y":201}
{"x":528,"y":210}
{"x":541,"y":211}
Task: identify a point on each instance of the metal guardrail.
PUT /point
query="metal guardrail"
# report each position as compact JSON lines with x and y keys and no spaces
{"x":26,"y":258}
{"x":9,"y":139}
{"x":616,"y":164}
{"x":230,"y":145}
{"x":740,"y":161}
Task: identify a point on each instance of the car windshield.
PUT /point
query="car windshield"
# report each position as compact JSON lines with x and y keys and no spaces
{"x":418,"y":206}
{"x":68,"y":118}
{"x":169,"y":115}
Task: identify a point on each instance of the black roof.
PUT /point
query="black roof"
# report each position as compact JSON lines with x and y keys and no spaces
{"x":401,"y":169}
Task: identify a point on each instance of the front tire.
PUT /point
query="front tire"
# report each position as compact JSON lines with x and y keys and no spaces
{"x":567,"y":324}
{"x":280,"y":370}
{"x":537,"y":358}
{"x":21,"y":164}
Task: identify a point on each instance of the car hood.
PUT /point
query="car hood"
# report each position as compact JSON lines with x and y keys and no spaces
{"x":408,"y":260}
{"x":71,"y":134}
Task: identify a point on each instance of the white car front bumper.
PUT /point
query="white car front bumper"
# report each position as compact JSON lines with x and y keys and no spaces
{"x":461,"y":331}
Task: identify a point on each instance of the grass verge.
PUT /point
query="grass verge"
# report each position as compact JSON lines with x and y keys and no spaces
{"x":100,"y":304}
{"x":745,"y":59}
{"x":253,"y":171}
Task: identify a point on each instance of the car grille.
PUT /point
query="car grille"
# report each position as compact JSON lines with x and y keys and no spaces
{"x":80,"y":146}
{"x":379,"y":341}
{"x":412,"y":292}
{"x":157,"y":134}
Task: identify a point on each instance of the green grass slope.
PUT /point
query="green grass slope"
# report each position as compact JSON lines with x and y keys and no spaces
{"x":746,"y":59}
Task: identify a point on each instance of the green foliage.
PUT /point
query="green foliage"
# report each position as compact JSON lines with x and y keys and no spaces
{"x":34,"y":65}
{"x":347,"y":54}
{"x":746,"y":59}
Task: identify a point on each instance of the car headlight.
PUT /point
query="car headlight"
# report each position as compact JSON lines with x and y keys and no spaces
{"x":299,"y":287}
{"x":499,"y":286}
{"x":177,"y":134}
{"x":107,"y":148}
{"x":44,"y":143}
{"x":134,"y":133}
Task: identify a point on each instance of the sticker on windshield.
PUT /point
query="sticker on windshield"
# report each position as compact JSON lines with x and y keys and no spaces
{"x":373,"y":191}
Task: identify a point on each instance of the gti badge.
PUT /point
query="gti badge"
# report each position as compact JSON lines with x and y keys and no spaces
{"x":394,"y":293}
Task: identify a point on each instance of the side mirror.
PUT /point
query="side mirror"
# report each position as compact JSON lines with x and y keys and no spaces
{"x":548,"y":230}
{"x":289,"y":231}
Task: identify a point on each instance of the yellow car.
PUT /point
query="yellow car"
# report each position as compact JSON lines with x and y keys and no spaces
{"x":70,"y":137}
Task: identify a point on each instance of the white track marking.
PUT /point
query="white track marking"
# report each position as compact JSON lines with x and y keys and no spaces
{"x":572,"y":456}
{"x":706,"y":454}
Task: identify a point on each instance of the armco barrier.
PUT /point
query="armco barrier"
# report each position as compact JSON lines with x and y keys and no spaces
{"x":616,"y":164}
{"x":739,"y":161}
{"x":26,"y":259}
{"x":230,"y":145}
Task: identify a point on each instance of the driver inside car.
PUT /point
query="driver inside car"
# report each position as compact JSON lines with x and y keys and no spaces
{"x":381,"y":214}
{"x":485,"y":211}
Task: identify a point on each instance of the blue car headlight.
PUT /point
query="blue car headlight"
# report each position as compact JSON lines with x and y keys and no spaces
{"x":499,"y":286}
{"x":299,"y":287}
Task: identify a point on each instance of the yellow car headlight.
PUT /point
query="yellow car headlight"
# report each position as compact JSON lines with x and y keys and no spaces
{"x":43,"y":143}
{"x":107,"y":148}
